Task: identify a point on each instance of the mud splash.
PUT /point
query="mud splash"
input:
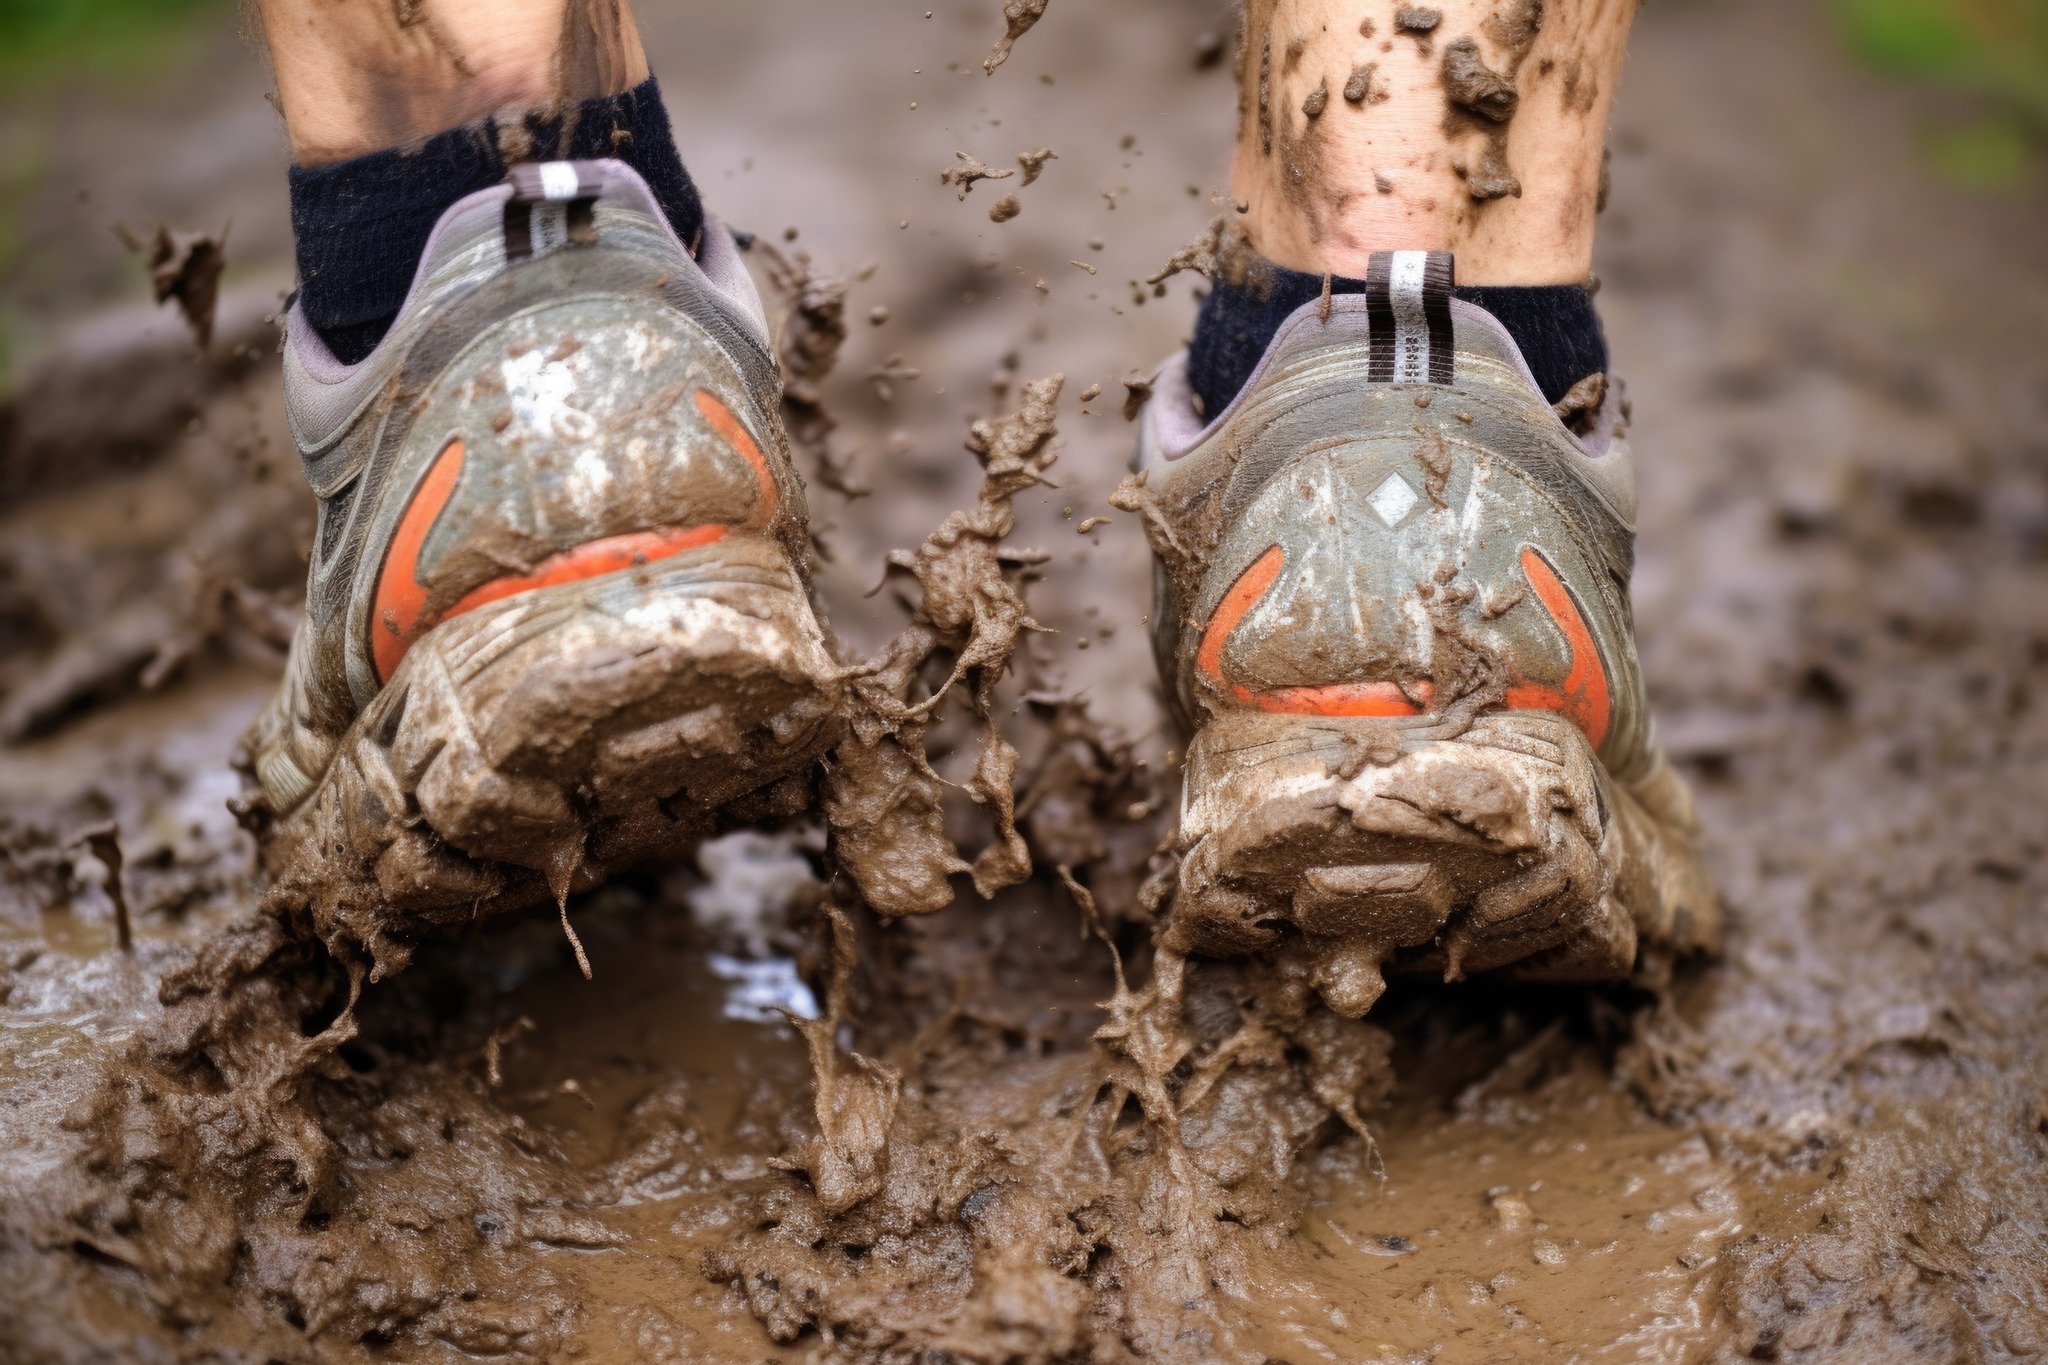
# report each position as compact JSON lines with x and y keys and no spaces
{"x":1048,"y":1183}
{"x":808,"y":339}
{"x":1825,"y":1148}
{"x":184,"y":267}
{"x":1019,"y":16}
{"x":882,"y":798}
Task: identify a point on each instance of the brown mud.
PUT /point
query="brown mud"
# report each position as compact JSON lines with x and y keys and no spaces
{"x":974,"y":1135}
{"x":1019,"y":16}
{"x":1483,"y":101}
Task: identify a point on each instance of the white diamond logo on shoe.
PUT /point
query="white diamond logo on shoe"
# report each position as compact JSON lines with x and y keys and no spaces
{"x":1392,"y":500}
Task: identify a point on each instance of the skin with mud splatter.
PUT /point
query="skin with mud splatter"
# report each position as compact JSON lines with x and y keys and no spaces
{"x":1483,"y":101}
{"x":359,"y":78}
{"x":1360,"y":132}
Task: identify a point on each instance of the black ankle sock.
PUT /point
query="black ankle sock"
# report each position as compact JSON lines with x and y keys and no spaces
{"x":362,"y":225}
{"x":1554,"y":324}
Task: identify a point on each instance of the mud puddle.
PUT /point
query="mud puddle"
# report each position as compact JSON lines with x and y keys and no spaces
{"x":1543,"y":1216}
{"x":1826,"y":1147}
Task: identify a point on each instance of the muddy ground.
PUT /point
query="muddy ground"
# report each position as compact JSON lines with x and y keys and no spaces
{"x":1830,"y":1145}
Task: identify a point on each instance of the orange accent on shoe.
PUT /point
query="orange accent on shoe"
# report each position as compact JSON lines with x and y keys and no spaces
{"x":1584,"y":698}
{"x":398,"y":611}
{"x":592,"y":559}
{"x":400,"y":614}
{"x":1335,"y":699}
{"x":1251,"y":585}
{"x":739,"y":438}
{"x":1343,"y":699}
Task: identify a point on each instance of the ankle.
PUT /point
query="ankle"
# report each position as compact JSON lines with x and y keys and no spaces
{"x":1555,"y":326}
{"x":1466,"y":126}
{"x":360,"y":226}
{"x":355,"y":79}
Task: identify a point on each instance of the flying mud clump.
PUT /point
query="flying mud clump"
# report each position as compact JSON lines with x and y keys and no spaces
{"x":808,"y":342}
{"x":1033,"y":162}
{"x":1018,"y":17}
{"x":970,"y":171}
{"x":184,"y":266}
{"x":882,"y":798}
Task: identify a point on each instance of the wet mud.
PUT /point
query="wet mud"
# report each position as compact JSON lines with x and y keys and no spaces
{"x":1484,"y":101}
{"x":905,"y":1078}
{"x":184,"y":267}
{"x":1019,"y":16}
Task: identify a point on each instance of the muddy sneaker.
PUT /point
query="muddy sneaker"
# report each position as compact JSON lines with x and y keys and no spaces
{"x":1393,"y":609}
{"x":557,"y":619}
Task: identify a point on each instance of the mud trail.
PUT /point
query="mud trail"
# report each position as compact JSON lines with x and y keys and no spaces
{"x":779,"y":1124}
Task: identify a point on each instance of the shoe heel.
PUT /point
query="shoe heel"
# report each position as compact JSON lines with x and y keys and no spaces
{"x":1383,"y":845}
{"x":538,"y":743}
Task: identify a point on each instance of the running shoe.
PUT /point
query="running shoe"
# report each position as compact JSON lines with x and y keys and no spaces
{"x":558,"y":618}
{"x":1392,"y":610}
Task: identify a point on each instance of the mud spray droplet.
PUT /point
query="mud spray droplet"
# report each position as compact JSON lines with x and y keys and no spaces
{"x":1018,"y":17}
{"x":563,"y":864}
{"x":575,"y":943}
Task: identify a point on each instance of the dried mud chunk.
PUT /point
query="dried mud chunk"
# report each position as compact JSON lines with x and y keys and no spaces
{"x":1581,"y":403}
{"x":1471,"y":85}
{"x":1481,"y":97}
{"x":969,"y":172}
{"x":1514,"y":26}
{"x":1137,"y":393}
{"x":1491,"y":178}
{"x":1004,"y":209}
{"x":184,"y":266}
{"x":1419,"y":23}
{"x":1434,"y":454}
{"x":1033,"y":162}
{"x":1358,"y":88}
{"x":1018,"y":17}
{"x":883,"y":801}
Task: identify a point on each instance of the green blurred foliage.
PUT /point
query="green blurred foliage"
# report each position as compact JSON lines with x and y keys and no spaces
{"x":50,"y":39}
{"x":46,"y":48}
{"x":1994,"y":50}
{"x":1990,"y":155}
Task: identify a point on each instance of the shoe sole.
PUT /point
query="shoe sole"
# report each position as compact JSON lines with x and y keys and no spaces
{"x":536,"y":745}
{"x":1385,"y":846}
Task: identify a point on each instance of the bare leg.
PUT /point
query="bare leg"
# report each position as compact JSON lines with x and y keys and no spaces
{"x":356,"y":76}
{"x":1474,"y":126}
